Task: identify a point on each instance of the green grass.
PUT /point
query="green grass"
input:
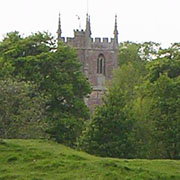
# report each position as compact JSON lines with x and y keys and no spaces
{"x":46,"y":160}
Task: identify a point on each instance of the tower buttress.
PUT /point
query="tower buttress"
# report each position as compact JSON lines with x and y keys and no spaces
{"x":59,"y":31}
{"x":116,"y":33}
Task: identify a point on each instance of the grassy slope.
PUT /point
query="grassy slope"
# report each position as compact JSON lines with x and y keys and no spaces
{"x":44,"y":160}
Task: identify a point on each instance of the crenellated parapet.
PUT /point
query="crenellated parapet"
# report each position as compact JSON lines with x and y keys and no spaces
{"x":79,"y":40}
{"x":102,"y":43}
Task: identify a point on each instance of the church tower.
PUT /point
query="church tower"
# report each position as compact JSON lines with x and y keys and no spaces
{"x":98,"y":57}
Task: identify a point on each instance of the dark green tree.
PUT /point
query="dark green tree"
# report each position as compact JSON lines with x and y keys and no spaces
{"x":162,"y":88}
{"x":22,"y":110}
{"x":128,"y":52}
{"x":165,"y":114}
{"x":111,"y":129}
{"x":56,"y":73}
{"x":108,"y":132}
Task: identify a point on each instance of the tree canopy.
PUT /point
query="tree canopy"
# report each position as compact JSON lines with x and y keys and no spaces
{"x":55,"y":71}
{"x":42,"y":91}
{"x":139,"y":116}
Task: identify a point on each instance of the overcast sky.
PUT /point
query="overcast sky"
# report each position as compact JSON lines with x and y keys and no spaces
{"x":138,"y":20}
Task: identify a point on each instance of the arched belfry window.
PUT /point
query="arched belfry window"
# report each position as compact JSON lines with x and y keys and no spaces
{"x":101,"y":64}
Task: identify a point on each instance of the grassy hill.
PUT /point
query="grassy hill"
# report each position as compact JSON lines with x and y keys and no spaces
{"x":46,"y":160}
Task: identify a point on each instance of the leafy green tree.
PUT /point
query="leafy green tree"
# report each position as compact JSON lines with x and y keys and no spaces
{"x":68,"y":89}
{"x":137,"y":56}
{"x":120,"y":127}
{"x":22,"y":110}
{"x":131,"y":52}
{"x":144,"y":126}
{"x":128,"y":78}
{"x":166,"y":115}
{"x":56,"y":73}
{"x":128,"y":52}
{"x":111,"y":129}
{"x":162,"y":87}
{"x":108,"y":132}
{"x":149,"y":51}
{"x":167,"y":62}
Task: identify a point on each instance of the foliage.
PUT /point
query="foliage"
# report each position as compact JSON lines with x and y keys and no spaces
{"x":137,"y":52}
{"x":140,"y":112}
{"x":42,"y":86}
{"x":168,"y":61}
{"x":163,"y":87}
{"x":21,"y":110}
{"x":111,"y":130}
{"x":128,"y":52}
{"x":56,"y":73}
{"x":107,"y":134}
{"x":166,"y":115}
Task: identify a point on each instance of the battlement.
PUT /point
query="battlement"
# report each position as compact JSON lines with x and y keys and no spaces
{"x":103,"y":40}
{"x":97,"y":40}
{"x":79,"y":39}
{"x":102,"y":43}
{"x":78,"y":32}
{"x":67,"y":40}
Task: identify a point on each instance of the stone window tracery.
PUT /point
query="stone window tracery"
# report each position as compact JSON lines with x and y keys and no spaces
{"x":101,"y":64}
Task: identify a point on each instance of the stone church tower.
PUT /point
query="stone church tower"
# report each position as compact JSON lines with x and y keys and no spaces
{"x":97,"y":56}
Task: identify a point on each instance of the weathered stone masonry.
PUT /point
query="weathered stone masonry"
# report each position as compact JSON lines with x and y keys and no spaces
{"x":97,"y":56}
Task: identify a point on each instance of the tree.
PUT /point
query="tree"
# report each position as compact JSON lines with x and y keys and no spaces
{"x":110,"y":132}
{"x":166,"y":115}
{"x":166,"y":62}
{"x":163,"y":87}
{"x":130,"y":52}
{"x":21,"y":110}
{"x":128,"y":78}
{"x":56,"y":73}
{"x":68,"y":89}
